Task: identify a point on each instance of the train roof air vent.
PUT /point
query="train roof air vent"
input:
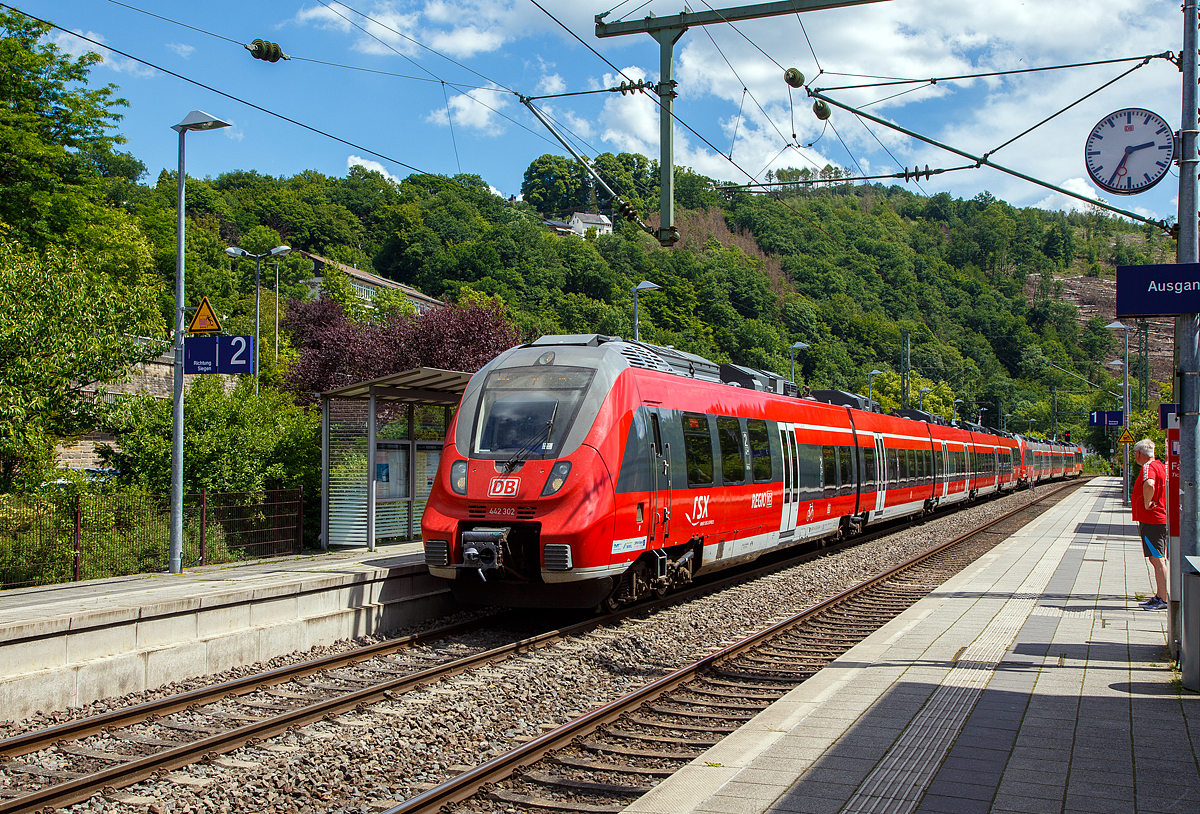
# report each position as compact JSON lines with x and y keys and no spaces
{"x":638,"y":356}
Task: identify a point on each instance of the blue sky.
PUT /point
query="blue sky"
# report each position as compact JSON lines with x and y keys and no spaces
{"x":485,"y":50}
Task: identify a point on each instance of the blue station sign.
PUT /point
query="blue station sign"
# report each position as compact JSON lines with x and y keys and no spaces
{"x":1161,"y":290}
{"x":1106,"y":418}
{"x":218,"y":354}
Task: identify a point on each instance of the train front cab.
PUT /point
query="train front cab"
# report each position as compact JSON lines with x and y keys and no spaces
{"x":524,"y":502}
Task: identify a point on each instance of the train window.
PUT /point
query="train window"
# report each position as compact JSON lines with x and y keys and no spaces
{"x":846,"y":470}
{"x":921,"y":470}
{"x":760,"y":449}
{"x":905,"y":465}
{"x":911,"y":454}
{"x":697,"y":449}
{"x":811,"y":481}
{"x":829,"y":470}
{"x":733,"y":459}
{"x":868,"y":478}
{"x":893,"y":466}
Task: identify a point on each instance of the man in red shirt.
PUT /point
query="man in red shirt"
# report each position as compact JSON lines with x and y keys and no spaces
{"x":1149,"y":499}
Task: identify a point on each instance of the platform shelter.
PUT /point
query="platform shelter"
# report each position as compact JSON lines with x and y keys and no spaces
{"x":381,"y":441}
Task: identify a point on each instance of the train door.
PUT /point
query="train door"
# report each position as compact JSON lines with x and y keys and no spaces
{"x":881,"y":475}
{"x":943,"y":481}
{"x":791,"y":485}
{"x":660,"y":484}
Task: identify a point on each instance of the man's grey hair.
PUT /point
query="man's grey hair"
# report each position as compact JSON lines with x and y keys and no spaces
{"x":1145,"y":446}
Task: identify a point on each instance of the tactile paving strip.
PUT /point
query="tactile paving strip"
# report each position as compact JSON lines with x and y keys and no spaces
{"x":896,"y":784}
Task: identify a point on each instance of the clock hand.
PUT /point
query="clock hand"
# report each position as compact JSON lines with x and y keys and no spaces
{"x":1120,"y":167}
{"x":1138,"y":147}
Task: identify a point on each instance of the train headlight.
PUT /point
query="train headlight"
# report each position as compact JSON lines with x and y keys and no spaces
{"x":558,"y":476}
{"x":458,"y":477}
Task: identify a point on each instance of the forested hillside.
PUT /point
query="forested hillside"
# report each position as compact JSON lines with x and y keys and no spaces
{"x":842,"y":267}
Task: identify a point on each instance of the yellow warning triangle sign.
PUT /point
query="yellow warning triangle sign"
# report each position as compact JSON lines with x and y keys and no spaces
{"x":1125,"y":438}
{"x":204,"y":321}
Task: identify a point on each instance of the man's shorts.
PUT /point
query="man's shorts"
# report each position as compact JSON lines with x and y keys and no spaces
{"x":1154,"y":539}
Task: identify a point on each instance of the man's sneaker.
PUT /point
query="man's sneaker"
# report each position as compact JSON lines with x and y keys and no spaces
{"x":1155,"y":604}
{"x":1149,"y":601}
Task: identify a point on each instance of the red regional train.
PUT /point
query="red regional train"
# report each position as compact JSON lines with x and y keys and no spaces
{"x":584,"y":471}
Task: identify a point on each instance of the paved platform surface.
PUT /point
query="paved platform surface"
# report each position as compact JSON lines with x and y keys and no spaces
{"x":67,"y":645}
{"x":1029,"y":683}
{"x":140,"y":591}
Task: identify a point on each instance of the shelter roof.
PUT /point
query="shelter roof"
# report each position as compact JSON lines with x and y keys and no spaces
{"x":421,"y":385}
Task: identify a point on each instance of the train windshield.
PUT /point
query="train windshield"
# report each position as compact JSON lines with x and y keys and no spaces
{"x":526,"y":412}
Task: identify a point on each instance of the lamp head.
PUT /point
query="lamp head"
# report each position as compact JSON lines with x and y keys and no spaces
{"x":279,"y":251}
{"x":234,"y":251}
{"x":646,"y":285}
{"x":875,"y":373}
{"x":1116,"y":363}
{"x":799,"y":346}
{"x":199,"y":120}
{"x":1117,"y":325}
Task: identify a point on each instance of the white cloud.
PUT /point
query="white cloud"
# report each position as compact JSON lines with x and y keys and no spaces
{"x":76,"y":47}
{"x":477,"y":110}
{"x":551,"y":83}
{"x":467,"y":41}
{"x":366,"y":163}
{"x":1057,"y":200}
{"x":180,"y":48}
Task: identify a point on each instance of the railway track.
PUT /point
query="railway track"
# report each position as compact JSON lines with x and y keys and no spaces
{"x":71,"y":762}
{"x":604,"y":760}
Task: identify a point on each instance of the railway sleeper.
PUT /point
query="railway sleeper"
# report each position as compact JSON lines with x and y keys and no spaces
{"x":547,"y":779}
{"x":502,"y":796}
{"x":700,"y":689}
{"x":616,"y":768}
{"x":797,"y":677}
{"x":691,"y":713}
{"x":96,"y":754}
{"x":709,"y":703}
{"x":745,"y":685}
{"x":613,"y":749}
{"x":625,"y":734}
{"x":675,"y":726}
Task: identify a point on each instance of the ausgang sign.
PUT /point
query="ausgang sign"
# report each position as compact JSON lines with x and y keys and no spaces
{"x":1165,"y":290}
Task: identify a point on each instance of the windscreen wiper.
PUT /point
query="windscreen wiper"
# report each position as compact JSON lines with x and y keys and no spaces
{"x":522,"y":453}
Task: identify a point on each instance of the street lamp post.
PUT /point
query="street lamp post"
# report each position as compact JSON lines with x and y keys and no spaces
{"x":795,"y":346}
{"x":276,"y":265}
{"x":870,"y":376}
{"x":644,"y":285}
{"x":1118,"y":325}
{"x":196,"y":120}
{"x":1007,"y":416}
{"x":1030,"y":428}
{"x":278,"y":251}
{"x":982,"y":410}
{"x":921,"y":398}
{"x":956,"y":403}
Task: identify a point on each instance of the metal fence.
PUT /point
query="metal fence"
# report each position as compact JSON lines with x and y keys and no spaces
{"x":52,"y":538}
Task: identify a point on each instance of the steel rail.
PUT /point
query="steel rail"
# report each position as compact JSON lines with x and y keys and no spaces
{"x":466,"y":785}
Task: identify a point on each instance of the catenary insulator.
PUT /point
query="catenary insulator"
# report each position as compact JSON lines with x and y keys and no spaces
{"x":267,"y":51}
{"x":794,"y":78}
{"x":822,"y":110}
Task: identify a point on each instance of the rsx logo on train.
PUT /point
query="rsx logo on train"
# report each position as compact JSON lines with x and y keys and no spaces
{"x":587,"y":471}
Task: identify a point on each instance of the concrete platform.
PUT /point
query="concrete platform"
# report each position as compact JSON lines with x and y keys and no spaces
{"x":67,"y":645}
{"x":1031,"y":682}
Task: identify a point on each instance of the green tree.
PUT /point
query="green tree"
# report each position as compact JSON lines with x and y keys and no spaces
{"x":551,"y":184}
{"x":234,"y":441}
{"x":57,"y":152}
{"x":66,"y":330}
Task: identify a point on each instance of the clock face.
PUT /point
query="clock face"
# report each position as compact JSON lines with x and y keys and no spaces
{"x":1129,"y":151}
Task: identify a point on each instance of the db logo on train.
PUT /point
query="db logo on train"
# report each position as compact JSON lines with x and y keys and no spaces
{"x":504,"y":487}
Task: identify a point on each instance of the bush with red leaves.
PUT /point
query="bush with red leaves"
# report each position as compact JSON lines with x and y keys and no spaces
{"x":336,"y":351}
